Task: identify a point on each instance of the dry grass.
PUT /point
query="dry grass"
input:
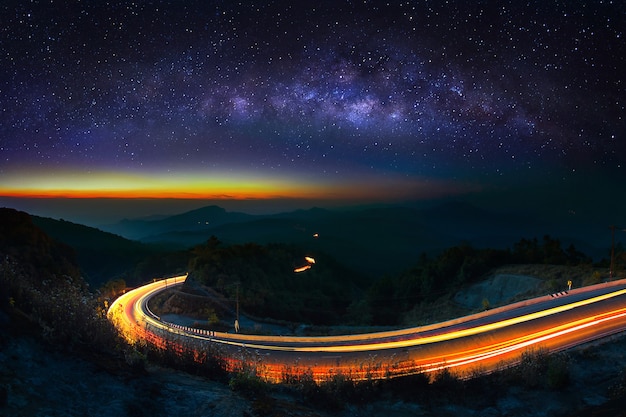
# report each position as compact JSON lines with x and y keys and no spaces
{"x":578,"y":274}
{"x":554,"y":278}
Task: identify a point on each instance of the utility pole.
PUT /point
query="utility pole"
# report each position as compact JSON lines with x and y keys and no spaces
{"x":237,"y":311}
{"x":613,"y":227}
{"x":237,"y":302}
{"x":612,"y":251}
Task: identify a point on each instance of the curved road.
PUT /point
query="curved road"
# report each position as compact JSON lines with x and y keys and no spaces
{"x":480,"y":342}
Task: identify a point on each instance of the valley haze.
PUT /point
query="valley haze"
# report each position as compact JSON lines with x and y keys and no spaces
{"x":373,"y":238}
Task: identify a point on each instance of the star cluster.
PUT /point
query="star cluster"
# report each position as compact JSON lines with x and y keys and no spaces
{"x":479,"y":90}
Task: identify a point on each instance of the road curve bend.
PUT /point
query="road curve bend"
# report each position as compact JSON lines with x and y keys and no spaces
{"x":482,"y":342}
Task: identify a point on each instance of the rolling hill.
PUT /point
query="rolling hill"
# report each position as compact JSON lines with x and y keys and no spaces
{"x":103,"y":255}
{"x":374,"y":241}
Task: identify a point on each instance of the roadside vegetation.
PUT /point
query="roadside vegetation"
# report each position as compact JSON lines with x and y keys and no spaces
{"x":44,"y":296}
{"x":262,"y":280}
{"x":536,"y":371}
{"x":105,"y":256}
{"x":42,"y":291}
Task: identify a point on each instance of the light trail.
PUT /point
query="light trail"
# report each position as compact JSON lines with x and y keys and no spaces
{"x":482,"y":339}
{"x":517,"y":344}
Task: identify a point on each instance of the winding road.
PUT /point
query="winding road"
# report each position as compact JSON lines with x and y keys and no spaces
{"x":477,"y":343}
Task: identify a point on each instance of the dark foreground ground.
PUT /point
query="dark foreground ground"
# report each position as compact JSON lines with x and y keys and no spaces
{"x":36,"y":381}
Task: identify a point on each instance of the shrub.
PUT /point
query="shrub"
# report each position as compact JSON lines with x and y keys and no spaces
{"x":531,"y":367}
{"x":408,"y":388}
{"x":248,"y":383}
{"x":594,"y":278}
{"x":558,"y":375}
{"x":446,"y":383}
{"x":136,"y":360}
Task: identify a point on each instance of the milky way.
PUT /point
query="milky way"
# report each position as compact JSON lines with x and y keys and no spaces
{"x":476,"y":90}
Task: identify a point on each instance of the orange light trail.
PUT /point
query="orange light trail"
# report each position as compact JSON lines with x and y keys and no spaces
{"x":454,"y":344}
{"x":302,"y":268}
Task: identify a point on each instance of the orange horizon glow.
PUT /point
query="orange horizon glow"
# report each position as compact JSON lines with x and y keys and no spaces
{"x":223,"y":185}
{"x":141,"y":194}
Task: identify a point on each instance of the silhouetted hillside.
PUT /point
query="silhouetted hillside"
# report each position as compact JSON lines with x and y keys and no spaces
{"x":103,"y":256}
{"x":373,"y":241}
{"x":22,"y":240}
{"x":41,"y":289}
{"x":267,"y":285}
{"x":205,"y":218}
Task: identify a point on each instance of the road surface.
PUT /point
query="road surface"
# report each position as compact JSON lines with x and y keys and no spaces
{"x":468,"y":345}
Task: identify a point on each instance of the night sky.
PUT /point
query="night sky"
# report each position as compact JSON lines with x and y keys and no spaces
{"x":326,"y":100}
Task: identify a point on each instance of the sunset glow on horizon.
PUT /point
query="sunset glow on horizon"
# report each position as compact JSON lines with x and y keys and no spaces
{"x":352,"y":102}
{"x":223,"y":185}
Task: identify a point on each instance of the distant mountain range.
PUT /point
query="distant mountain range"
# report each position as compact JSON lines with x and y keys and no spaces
{"x":374,"y":241}
{"x":202,"y":219}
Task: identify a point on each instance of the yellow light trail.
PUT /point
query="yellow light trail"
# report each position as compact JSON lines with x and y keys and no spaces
{"x":498,"y":349}
{"x":134,"y":319}
{"x":149,"y":290}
